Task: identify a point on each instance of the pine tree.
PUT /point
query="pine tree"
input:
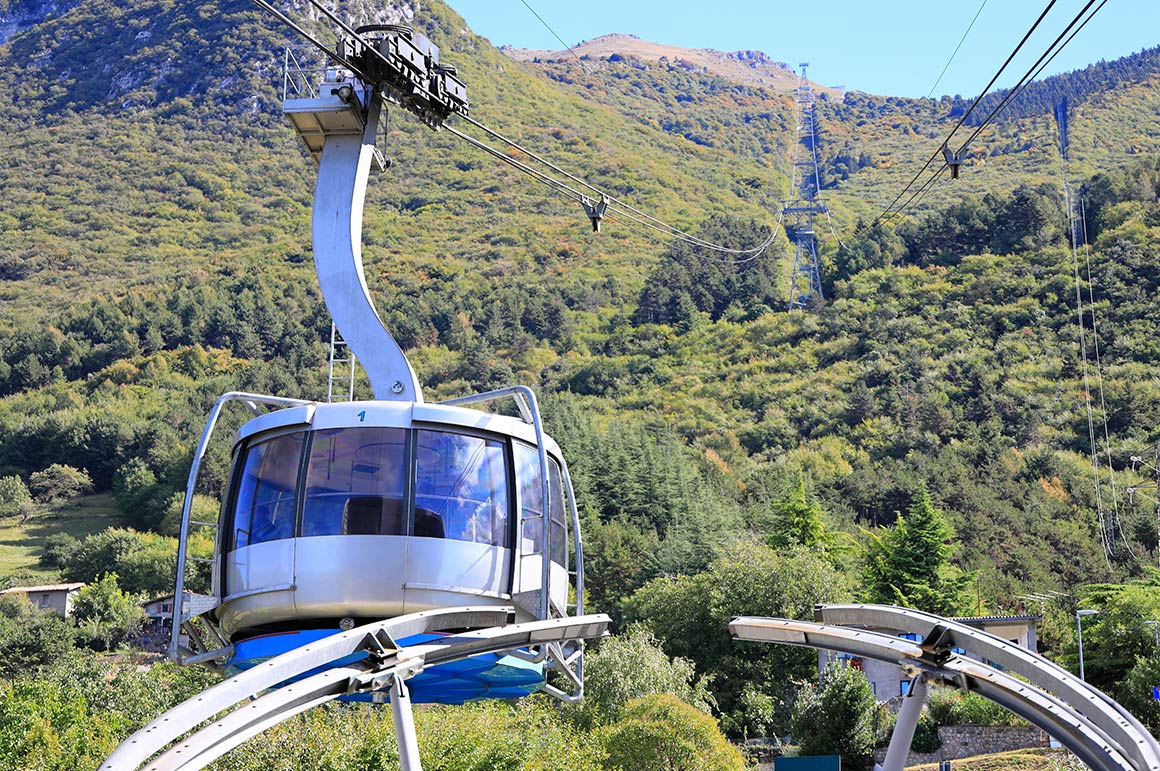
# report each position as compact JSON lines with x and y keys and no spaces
{"x":909,"y":564}
{"x":798,"y":520}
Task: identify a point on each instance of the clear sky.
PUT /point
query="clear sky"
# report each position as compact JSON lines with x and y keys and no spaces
{"x":893,"y":47}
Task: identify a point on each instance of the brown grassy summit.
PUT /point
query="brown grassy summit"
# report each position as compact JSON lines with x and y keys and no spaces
{"x":752,"y":68}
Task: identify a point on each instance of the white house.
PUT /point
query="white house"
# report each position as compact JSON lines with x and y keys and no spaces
{"x":888,"y":680}
{"x":55,"y":597}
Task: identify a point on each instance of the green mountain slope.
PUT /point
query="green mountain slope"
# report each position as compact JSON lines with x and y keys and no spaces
{"x":155,"y":252}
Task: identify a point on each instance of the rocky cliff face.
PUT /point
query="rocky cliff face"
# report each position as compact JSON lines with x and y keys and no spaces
{"x":129,"y":54}
{"x":19,"y":15}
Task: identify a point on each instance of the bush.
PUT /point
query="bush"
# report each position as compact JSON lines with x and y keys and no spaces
{"x":629,"y":667}
{"x":59,"y":482}
{"x":946,"y":706}
{"x":29,"y":638}
{"x":662,"y":733}
{"x":1135,"y":693}
{"x":14,"y":496}
{"x":105,"y":615}
{"x":837,"y":717}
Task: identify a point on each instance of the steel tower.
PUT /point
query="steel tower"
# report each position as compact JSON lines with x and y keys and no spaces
{"x":803,"y":205}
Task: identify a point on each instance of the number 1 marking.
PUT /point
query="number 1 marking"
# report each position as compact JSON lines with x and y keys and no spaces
{"x":362,"y":416}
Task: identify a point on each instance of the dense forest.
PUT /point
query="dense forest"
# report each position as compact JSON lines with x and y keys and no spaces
{"x":975,"y":388}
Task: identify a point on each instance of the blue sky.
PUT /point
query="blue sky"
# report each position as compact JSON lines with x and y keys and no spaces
{"x":895,"y":47}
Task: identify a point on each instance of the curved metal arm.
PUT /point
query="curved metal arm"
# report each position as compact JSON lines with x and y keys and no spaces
{"x":385,"y":663}
{"x":250,"y":400}
{"x":337,"y":227}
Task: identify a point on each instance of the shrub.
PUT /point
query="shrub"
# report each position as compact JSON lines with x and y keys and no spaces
{"x":59,"y":482}
{"x":662,"y":733}
{"x":837,"y":717}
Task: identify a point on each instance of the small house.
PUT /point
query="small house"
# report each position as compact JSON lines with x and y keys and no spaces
{"x":55,"y":597}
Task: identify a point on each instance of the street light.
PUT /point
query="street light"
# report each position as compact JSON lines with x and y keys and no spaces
{"x":1156,"y":632}
{"x":1079,"y":614}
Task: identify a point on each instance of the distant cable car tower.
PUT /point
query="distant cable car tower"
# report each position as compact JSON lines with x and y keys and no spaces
{"x":803,"y":206}
{"x":372,"y":550}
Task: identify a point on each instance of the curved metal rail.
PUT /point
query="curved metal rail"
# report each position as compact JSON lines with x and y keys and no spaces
{"x":941,"y":635}
{"x":386,"y":665}
{"x":1082,"y":718}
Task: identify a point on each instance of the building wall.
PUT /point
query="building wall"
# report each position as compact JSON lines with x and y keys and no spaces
{"x":60,"y":602}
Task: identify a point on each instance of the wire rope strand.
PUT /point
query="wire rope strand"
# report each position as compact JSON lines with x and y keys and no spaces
{"x":549,"y":28}
{"x":965,"y":115}
{"x":956,"y":51}
{"x":277,"y":14}
{"x":1051,"y":51}
{"x":614,"y":203}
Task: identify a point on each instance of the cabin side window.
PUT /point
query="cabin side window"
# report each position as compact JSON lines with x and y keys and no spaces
{"x":264,"y":502}
{"x":354,"y":482}
{"x":461,"y":488}
{"x":532,"y":503}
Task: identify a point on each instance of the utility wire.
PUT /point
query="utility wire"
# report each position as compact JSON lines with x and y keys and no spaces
{"x":1033,"y":72}
{"x":965,"y":115}
{"x":617,"y":206}
{"x":1051,"y":51}
{"x":309,"y":37}
{"x":614,"y":204}
{"x":956,"y":51}
{"x":549,"y":28}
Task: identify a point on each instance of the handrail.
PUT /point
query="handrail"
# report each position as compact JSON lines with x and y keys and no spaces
{"x":251,"y":400}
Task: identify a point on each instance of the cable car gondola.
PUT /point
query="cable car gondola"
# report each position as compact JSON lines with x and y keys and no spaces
{"x":339,"y":514}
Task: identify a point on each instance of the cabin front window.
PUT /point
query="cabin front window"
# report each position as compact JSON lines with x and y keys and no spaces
{"x":354,"y":482}
{"x":461,"y":488}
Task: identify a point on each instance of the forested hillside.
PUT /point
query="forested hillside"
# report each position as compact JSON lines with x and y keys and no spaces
{"x":728,"y":457}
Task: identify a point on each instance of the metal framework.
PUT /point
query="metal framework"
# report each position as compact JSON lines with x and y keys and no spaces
{"x":1099,"y":731}
{"x":255,"y":704}
{"x":803,"y":206}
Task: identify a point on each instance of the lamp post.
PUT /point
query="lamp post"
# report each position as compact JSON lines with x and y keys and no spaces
{"x":1079,"y":614}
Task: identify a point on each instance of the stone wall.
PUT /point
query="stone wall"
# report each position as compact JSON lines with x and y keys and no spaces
{"x":964,"y":741}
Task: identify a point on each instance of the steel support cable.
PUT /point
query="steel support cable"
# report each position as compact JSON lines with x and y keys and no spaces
{"x":625,"y":212}
{"x":1099,"y":364}
{"x":515,"y":163}
{"x":1015,"y":92}
{"x":549,"y":28}
{"x":956,"y":51}
{"x":1088,"y":403}
{"x":577,"y":196}
{"x":1031,"y":73}
{"x":966,"y":115}
{"x":266,"y":6}
{"x":917,"y":195}
{"x":614,"y":203}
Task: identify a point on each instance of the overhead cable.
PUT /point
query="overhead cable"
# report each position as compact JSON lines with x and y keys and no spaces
{"x":1033,"y":71}
{"x":614,"y":204}
{"x":965,"y":115}
{"x":956,"y":51}
{"x":617,"y":206}
{"x":549,"y":28}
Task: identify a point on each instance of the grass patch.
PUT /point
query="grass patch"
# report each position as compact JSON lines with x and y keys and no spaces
{"x":22,"y":543}
{"x":1038,"y":759}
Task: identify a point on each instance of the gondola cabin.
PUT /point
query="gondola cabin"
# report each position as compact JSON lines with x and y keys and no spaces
{"x":367,"y":510}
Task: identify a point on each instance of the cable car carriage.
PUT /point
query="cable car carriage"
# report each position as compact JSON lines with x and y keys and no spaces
{"x":340,"y":514}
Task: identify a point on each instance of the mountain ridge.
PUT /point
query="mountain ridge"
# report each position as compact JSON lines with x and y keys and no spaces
{"x":753,"y":68}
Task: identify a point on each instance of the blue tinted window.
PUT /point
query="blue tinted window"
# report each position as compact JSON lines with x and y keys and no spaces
{"x":354,"y":482}
{"x":264,"y":503}
{"x":532,"y":501}
{"x":461,"y":488}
